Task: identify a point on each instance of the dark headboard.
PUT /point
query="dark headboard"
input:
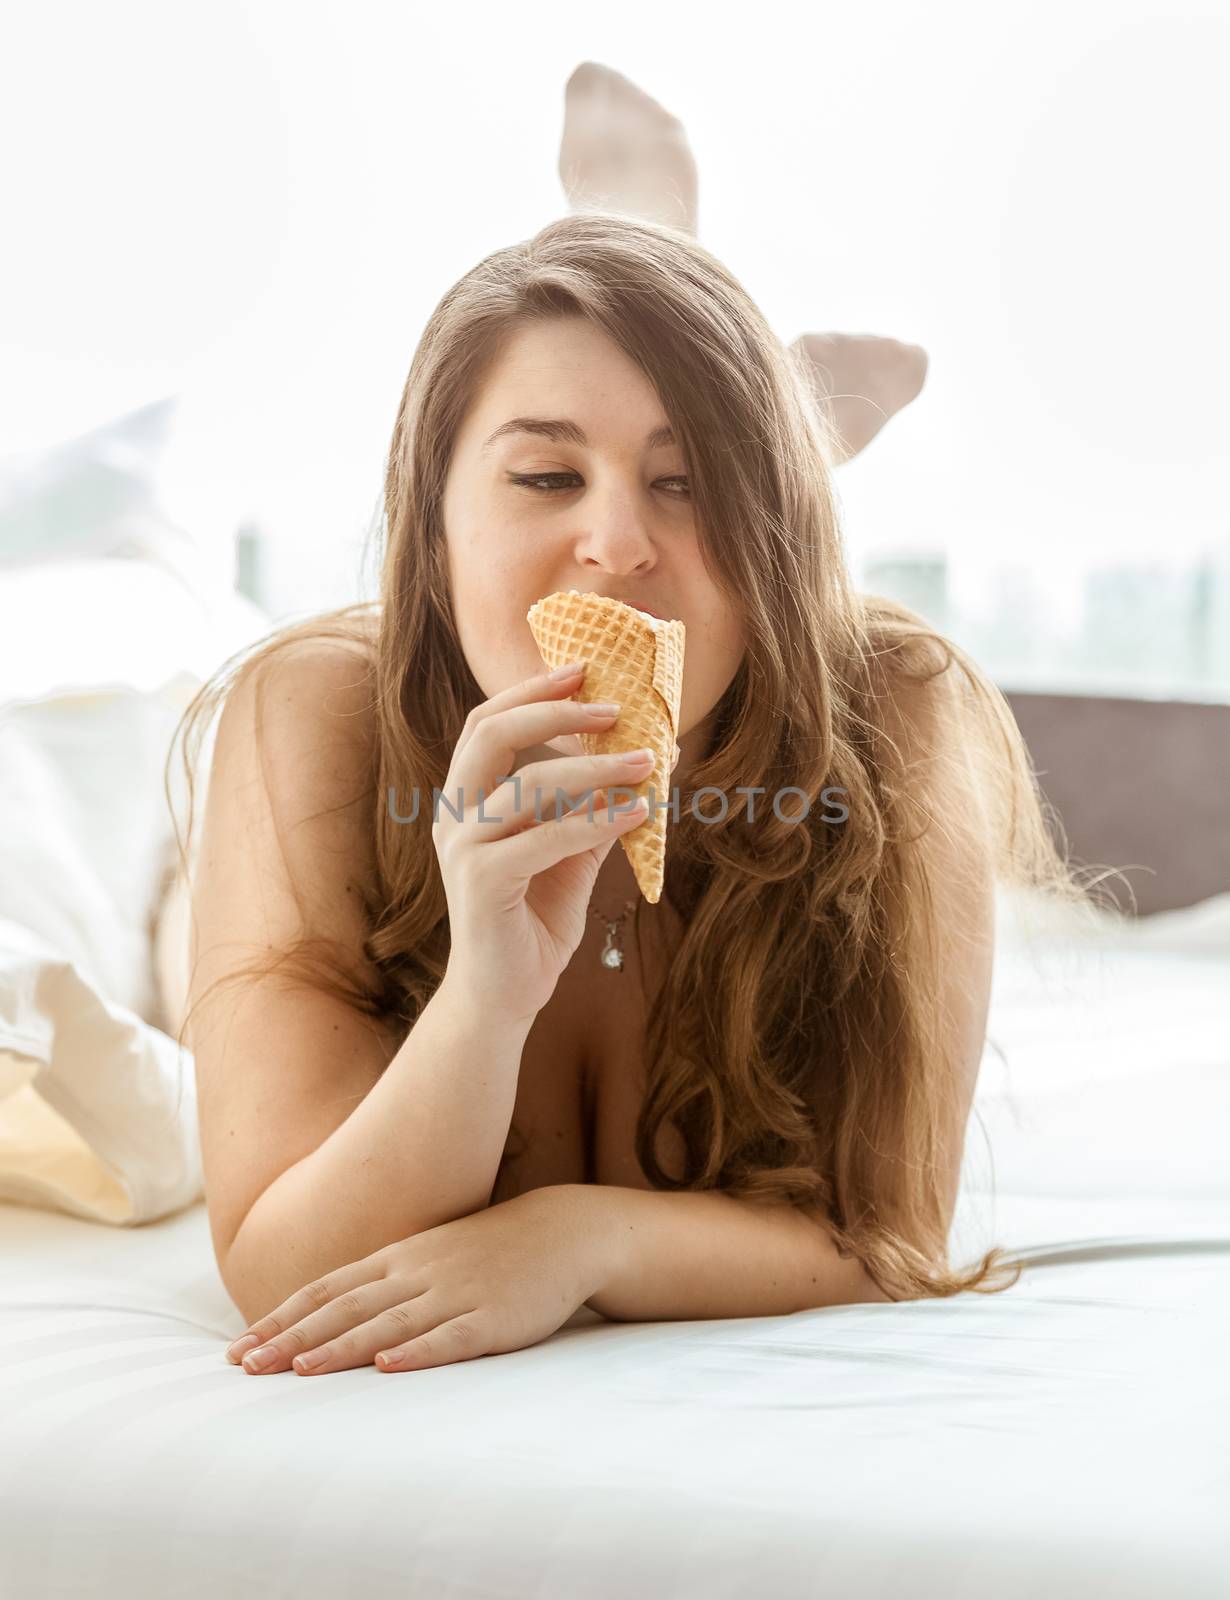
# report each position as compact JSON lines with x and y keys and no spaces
{"x":1141,"y":785}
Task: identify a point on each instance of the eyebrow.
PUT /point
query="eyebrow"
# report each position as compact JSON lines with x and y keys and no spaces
{"x":562,"y":431}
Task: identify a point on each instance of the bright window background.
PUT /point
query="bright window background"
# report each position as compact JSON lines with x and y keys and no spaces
{"x":257,"y":205}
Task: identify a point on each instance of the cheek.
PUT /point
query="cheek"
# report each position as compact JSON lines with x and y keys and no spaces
{"x":724,"y":641}
{"x":489,"y":609}
{"x":710,"y":665}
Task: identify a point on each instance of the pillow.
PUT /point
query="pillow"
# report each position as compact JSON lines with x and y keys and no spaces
{"x":99,"y":656}
{"x":98,"y":660}
{"x":91,"y":495}
{"x":97,"y":1108}
{"x":104,"y":493}
{"x":86,"y":836}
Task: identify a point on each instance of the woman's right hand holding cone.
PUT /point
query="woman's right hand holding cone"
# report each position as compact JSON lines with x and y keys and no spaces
{"x":519,"y":869}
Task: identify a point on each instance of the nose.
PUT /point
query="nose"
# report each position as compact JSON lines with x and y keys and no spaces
{"x":616,"y":540}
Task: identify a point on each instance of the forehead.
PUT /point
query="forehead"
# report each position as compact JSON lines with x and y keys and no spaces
{"x":566,"y":367}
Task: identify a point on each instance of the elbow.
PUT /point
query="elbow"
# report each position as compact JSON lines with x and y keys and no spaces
{"x":842,"y":1280}
{"x":244,"y":1286}
{"x":865,"y":1291}
{"x":257,"y":1272}
{"x":249,"y":1310}
{"x":873,"y":1295}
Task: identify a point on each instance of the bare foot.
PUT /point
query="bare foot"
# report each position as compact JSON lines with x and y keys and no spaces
{"x":621,"y":151}
{"x":862,"y":379}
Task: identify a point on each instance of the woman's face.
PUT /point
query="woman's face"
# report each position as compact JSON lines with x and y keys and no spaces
{"x":617,"y":520}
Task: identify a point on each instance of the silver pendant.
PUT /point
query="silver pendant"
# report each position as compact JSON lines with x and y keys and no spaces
{"x":613,"y":951}
{"x":612,"y":955}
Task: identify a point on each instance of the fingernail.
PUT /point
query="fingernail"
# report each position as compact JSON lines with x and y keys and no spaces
{"x":602,"y":709}
{"x":247,"y":1342}
{"x":569,"y":671}
{"x":258,"y":1360}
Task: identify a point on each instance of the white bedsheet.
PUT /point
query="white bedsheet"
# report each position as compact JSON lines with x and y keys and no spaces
{"x":1071,"y":1435}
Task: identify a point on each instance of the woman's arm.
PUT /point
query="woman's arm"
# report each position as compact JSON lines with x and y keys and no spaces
{"x":682,"y":1255}
{"x":421,"y":1148}
{"x":322,"y":1141}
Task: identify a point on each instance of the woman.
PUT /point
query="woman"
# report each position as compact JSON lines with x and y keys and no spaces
{"x":432,"y":1121}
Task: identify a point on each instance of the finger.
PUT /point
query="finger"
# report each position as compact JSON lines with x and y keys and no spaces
{"x":460,"y":1339}
{"x":273,"y":1344}
{"x":490,"y":753}
{"x":535,"y":794}
{"x":591,"y":822}
{"x":349,"y":1331}
{"x":542,"y":686}
{"x":356,"y":1345}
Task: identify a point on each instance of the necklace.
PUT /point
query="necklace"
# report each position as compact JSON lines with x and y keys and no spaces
{"x":612,"y":950}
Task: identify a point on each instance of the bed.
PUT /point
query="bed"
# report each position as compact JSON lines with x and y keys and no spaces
{"x":1071,"y":1434}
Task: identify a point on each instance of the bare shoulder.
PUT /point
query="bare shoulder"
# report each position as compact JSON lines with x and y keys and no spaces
{"x":324,"y":676}
{"x":311,"y":697}
{"x":291,"y":792}
{"x":921,"y":700}
{"x":933,"y":737}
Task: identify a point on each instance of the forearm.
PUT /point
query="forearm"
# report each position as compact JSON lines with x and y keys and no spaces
{"x":422,"y":1147}
{"x":683,"y":1255}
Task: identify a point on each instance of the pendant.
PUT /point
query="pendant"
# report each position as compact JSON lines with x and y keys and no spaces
{"x":612,"y":955}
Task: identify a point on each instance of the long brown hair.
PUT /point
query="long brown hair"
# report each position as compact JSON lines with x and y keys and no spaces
{"x":795,"y":1044}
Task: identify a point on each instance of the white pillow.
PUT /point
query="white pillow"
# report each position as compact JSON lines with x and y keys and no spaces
{"x":99,"y":656}
{"x":98,"y":660}
{"x":97,"y":1108}
{"x":85,"y":832}
{"x":94,"y":495}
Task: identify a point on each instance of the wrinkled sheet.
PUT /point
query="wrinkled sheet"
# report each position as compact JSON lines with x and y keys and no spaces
{"x":1069,"y":1436}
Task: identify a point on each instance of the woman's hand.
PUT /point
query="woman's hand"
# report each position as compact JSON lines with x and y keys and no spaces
{"x":517,"y":878}
{"x":498,"y":1280}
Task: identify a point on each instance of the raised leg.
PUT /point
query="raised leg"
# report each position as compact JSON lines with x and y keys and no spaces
{"x":622,"y":151}
{"x":862,"y":379}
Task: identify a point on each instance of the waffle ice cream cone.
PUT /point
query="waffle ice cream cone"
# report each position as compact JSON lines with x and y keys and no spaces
{"x":637,"y":660}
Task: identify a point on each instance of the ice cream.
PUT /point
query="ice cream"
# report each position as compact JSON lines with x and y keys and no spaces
{"x":637,"y":660}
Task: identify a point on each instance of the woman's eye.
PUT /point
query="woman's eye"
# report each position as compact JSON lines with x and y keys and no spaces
{"x":534,"y":482}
